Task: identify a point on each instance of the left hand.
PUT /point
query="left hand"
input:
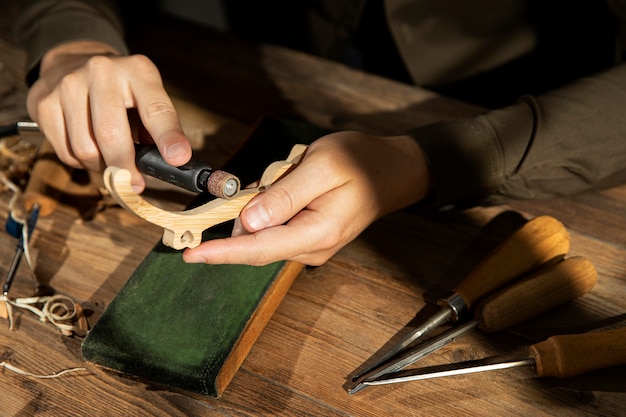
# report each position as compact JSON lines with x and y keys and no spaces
{"x":81,"y":102}
{"x":346,"y":181}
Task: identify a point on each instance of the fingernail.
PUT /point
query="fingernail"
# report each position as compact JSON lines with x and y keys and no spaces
{"x":175,"y":151}
{"x":257,"y":217}
{"x":138,"y":189}
{"x":192,"y":258}
{"x":238,"y":228}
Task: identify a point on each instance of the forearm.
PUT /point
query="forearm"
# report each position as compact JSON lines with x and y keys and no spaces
{"x":47,"y":24}
{"x":565,"y":142}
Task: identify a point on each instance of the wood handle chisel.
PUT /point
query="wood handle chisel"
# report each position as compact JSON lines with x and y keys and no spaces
{"x":551,"y":286}
{"x":561,"y":356}
{"x":535,"y":243}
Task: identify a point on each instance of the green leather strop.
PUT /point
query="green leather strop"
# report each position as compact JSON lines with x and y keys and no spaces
{"x":175,"y":323}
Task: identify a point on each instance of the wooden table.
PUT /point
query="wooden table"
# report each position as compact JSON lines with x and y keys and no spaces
{"x":335,"y":316}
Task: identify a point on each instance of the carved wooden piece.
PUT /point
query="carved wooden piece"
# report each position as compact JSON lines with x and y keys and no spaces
{"x":183,"y":229}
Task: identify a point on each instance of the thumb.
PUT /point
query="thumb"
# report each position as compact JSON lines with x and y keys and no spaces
{"x":270,"y":208}
{"x":285,"y":198}
{"x":292,"y":193}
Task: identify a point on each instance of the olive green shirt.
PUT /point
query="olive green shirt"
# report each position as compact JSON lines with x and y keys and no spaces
{"x":568,"y":140}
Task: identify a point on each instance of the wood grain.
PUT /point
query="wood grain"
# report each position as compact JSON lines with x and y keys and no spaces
{"x":183,"y":228}
{"x":564,"y":356}
{"x":336,"y":316}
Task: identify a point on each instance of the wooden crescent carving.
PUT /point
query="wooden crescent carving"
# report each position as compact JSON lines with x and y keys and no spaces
{"x":183,"y":229}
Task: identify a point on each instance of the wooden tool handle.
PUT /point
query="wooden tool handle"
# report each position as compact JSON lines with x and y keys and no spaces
{"x":549,"y":287}
{"x":535,"y":243}
{"x":570,"y":355}
{"x":48,"y":180}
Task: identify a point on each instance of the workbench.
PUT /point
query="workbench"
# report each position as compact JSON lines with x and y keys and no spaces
{"x":336,"y":316}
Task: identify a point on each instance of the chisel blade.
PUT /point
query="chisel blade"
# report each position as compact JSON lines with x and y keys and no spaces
{"x":461,"y":368}
{"x":413,"y":355}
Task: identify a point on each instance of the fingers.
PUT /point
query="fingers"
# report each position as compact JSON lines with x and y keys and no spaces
{"x":344,"y":183}
{"x":291,"y":194}
{"x":238,"y":228}
{"x":296,"y":241}
{"x":158,"y":115}
{"x":109,"y":117}
{"x":83,"y":110}
{"x":303,"y":217}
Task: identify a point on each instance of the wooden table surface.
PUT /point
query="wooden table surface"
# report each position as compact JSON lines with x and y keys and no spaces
{"x":335,"y":317}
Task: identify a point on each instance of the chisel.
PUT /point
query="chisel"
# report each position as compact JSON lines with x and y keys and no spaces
{"x":560,"y":356}
{"x":535,"y":243}
{"x":551,"y":286}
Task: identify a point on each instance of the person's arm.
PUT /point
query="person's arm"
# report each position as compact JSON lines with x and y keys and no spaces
{"x":46,"y":24}
{"x":84,"y":85}
{"x":567,"y":141}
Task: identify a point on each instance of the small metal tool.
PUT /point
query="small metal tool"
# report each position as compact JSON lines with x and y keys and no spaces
{"x":560,"y":356}
{"x":19,"y":128}
{"x":536,"y":242}
{"x":16,"y":229}
{"x":196,"y":176}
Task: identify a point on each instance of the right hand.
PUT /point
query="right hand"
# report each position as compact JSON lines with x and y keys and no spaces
{"x":81,"y":102}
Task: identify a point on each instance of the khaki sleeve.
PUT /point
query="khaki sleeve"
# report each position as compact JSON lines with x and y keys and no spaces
{"x":567,"y":141}
{"x":45,"y":24}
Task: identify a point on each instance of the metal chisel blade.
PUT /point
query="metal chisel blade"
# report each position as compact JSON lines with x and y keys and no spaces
{"x":433,"y":322}
{"x":413,"y":355}
{"x":481,"y":365}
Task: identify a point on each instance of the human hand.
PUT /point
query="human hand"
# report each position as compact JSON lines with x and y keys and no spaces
{"x":81,"y":102}
{"x":345,"y":181}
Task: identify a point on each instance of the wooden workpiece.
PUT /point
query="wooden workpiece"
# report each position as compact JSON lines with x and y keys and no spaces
{"x":183,"y":228}
{"x":334,"y":317}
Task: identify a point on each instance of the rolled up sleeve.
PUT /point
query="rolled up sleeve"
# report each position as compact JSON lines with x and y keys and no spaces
{"x":45,"y":24}
{"x":568,"y":141}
